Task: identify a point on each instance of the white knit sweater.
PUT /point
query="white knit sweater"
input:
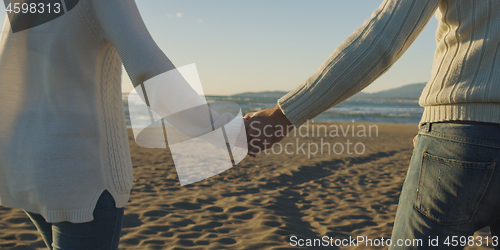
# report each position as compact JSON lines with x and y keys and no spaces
{"x":465,"y":81}
{"x":63,"y":138}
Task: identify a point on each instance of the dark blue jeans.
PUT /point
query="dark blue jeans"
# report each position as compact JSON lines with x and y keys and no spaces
{"x":101,"y":233}
{"x":452,"y":188}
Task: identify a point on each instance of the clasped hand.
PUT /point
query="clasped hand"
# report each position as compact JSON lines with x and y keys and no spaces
{"x":266,"y":128}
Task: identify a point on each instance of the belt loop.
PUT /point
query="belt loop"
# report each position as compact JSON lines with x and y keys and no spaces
{"x":429,"y":127}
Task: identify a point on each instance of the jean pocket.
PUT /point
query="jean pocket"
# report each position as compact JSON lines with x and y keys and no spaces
{"x":449,"y":191}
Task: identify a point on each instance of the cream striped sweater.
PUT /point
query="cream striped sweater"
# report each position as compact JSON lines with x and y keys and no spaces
{"x":465,"y":79}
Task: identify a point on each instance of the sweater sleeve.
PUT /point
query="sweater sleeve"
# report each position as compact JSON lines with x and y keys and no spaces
{"x":123,"y":27}
{"x":360,"y":59}
{"x":149,"y":69}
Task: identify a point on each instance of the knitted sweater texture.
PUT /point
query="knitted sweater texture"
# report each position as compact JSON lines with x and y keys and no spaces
{"x":465,"y":78}
{"x":63,"y":137}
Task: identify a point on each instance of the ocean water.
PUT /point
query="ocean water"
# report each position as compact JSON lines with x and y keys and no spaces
{"x":371,"y":110}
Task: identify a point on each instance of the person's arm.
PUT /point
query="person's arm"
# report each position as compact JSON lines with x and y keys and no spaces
{"x":360,"y":59}
{"x":357,"y":62}
{"x":123,"y":27}
{"x":145,"y":63}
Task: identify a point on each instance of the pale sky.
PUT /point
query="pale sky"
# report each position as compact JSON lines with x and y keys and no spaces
{"x":266,"y":45}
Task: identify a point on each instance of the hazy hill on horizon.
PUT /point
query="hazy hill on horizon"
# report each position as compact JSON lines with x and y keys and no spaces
{"x":410,"y":91}
{"x":263,"y":94}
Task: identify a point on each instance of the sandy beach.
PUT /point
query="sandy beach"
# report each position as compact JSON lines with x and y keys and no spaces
{"x":262,"y":202}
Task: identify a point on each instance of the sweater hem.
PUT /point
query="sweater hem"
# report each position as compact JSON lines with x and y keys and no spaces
{"x":474,"y":112}
{"x":79,"y":215}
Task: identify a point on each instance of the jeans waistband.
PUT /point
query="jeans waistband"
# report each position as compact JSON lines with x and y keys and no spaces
{"x":481,"y":134}
{"x":428,"y":125}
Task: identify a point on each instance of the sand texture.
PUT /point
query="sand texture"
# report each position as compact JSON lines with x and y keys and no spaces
{"x":263,"y":201}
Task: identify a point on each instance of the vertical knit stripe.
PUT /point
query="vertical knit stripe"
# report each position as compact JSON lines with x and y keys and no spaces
{"x":118,"y":150}
{"x":489,"y":94}
{"x":446,"y":48}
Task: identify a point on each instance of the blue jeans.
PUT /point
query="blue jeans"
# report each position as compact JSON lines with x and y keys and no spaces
{"x":452,"y":188}
{"x":101,"y":233}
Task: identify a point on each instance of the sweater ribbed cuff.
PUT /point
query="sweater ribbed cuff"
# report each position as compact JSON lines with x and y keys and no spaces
{"x":290,"y":103}
{"x":477,"y":112}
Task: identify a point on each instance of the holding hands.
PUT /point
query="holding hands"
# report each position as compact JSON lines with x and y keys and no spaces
{"x":265,"y":128}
